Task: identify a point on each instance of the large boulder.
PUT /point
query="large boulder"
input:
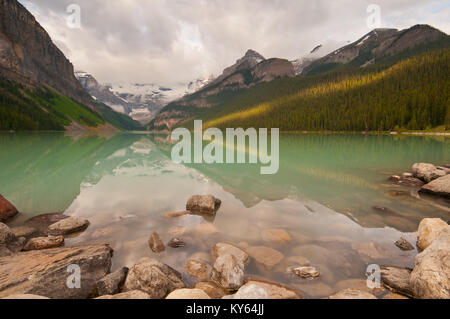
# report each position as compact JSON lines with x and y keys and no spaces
{"x":154,"y":278}
{"x":68,"y":226}
{"x":397,"y":280}
{"x":228,"y":272}
{"x":40,"y":243}
{"x":203,"y":204}
{"x":429,"y":229}
{"x":188,"y":294}
{"x":430,"y":278}
{"x":427,"y":172}
{"x":7,"y":210}
{"x":47,"y":272}
{"x":112,"y":283}
{"x":438,"y":187}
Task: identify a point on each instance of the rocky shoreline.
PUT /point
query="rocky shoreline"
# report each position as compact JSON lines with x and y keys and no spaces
{"x":34,"y":263}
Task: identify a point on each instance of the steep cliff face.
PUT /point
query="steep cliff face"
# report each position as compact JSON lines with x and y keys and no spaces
{"x":29,"y":57}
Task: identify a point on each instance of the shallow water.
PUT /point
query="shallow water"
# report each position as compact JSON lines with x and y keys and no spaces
{"x":323,"y":196}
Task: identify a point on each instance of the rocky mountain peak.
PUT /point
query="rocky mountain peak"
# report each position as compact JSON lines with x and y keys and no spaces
{"x":28,"y":55}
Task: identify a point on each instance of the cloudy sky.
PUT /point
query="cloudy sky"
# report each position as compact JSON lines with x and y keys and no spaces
{"x":174,"y":41}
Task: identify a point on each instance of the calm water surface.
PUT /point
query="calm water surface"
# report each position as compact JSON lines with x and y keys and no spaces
{"x":323,"y":195}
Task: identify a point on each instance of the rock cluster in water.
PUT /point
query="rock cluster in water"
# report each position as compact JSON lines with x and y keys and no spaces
{"x":33,"y":267}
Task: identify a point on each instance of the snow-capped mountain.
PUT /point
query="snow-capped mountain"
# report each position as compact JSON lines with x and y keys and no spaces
{"x":141,"y":101}
{"x":301,"y":63}
{"x":196,"y":85}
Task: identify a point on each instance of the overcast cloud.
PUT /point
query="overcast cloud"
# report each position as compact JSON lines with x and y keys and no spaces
{"x":173,"y":41}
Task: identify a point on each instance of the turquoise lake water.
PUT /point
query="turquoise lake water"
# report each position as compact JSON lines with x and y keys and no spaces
{"x":323,"y":195}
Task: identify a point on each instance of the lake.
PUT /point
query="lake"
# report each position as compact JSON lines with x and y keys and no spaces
{"x":326,"y":195}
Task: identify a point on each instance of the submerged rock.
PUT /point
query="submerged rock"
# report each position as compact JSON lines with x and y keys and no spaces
{"x":176,"y":243}
{"x":430,"y":278}
{"x":188,"y":294}
{"x":266,"y":256}
{"x":24,"y":231}
{"x":439,"y":187}
{"x":154,"y":278}
{"x":47,"y":272}
{"x":41,"y":222}
{"x":306,"y":272}
{"x":7,"y":210}
{"x":403,"y":244}
{"x":133,"y":294}
{"x":276,"y":236}
{"x":406,"y":180}
{"x":40,"y":243}
{"x":275,"y":290}
{"x":68,"y":226}
{"x":198,"y":269}
{"x":397,"y":280}
{"x":112,"y":284}
{"x":429,"y":229}
{"x":203,"y":204}
{"x":212,"y":289}
{"x":228,"y":272}
{"x":352,"y":294}
{"x":221,"y":249}
{"x":155,"y":242}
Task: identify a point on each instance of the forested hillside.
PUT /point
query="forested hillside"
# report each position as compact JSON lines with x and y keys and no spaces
{"x":46,"y":109}
{"x":408,"y":94}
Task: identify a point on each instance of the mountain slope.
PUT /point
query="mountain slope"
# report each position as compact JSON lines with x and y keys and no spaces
{"x":38,"y":88}
{"x":326,"y":98}
{"x":376,"y":46}
{"x":411,"y":94}
{"x":252,"y":69}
